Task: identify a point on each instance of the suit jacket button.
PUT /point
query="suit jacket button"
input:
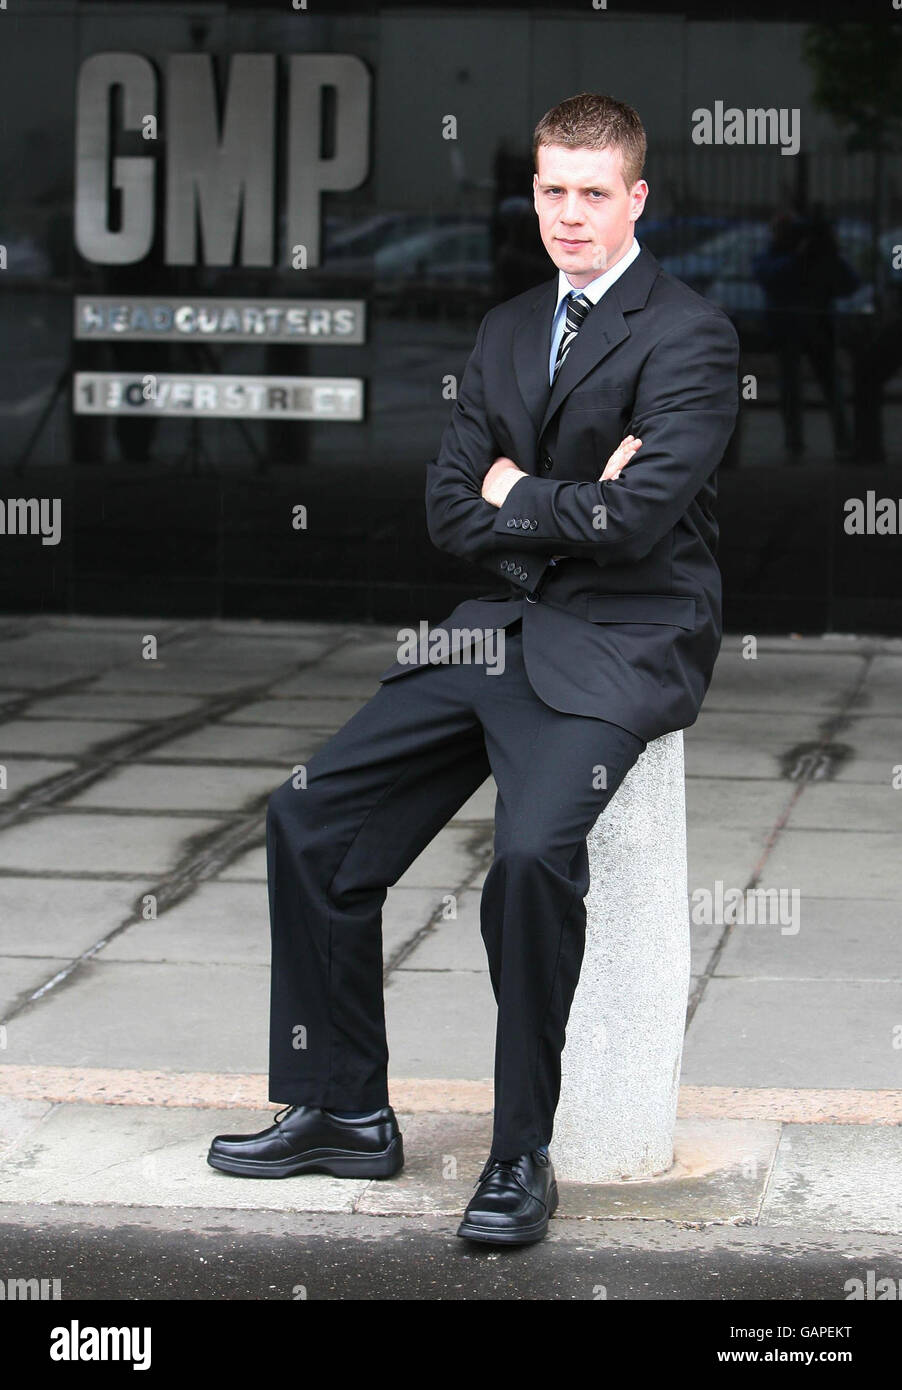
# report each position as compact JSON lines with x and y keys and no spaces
{"x":533,"y":525}
{"x":524,"y":574}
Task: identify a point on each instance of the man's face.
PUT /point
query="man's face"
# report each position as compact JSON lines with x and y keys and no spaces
{"x":586,"y":212}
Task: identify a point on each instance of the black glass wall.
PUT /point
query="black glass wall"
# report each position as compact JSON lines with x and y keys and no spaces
{"x":776,"y":191}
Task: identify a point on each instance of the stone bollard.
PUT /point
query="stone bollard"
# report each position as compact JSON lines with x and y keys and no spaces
{"x":621,"y":1062}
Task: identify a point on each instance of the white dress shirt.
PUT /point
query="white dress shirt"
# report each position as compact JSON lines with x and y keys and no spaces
{"x":594,"y":290}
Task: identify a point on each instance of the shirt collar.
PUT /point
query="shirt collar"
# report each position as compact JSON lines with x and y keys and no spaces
{"x":596,"y":288}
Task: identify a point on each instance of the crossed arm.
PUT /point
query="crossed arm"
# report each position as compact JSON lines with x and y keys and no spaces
{"x":685,"y":408}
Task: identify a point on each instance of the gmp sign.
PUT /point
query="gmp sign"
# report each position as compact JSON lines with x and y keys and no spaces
{"x":218,"y":178}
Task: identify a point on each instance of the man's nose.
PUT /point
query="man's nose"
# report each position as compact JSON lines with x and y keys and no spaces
{"x":572,"y":212}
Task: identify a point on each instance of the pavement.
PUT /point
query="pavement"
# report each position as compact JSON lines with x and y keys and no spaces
{"x":134,"y":938}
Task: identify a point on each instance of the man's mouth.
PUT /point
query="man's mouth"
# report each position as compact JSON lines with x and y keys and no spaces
{"x":572,"y":241}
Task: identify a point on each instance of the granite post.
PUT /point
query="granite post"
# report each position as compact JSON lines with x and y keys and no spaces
{"x":621,"y":1062}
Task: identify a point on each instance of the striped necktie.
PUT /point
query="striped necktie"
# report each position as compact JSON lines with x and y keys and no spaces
{"x":578,"y":307}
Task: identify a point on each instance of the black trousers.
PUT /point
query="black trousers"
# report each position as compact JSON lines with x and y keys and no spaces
{"x":376,"y":794}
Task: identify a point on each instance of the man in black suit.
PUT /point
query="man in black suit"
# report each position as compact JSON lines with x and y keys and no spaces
{"x":578,"y":469}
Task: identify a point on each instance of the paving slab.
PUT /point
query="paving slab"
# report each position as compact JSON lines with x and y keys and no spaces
{"x":67,"y":843}
{"x":250,"y":865}
{"x":30,"y":676}
{"x":448,"y":861}
{"x":210,"y":666}
{"x":836,"y":1178}
{"x":170,"y":1016}
{"x":317,"y":713}
{"x":440,"y":1023}
{"x":19,"y":1119}
{"x":281,"y":746}
{"x":249,"y":657}
{"x":836,"y":940}
{"x":22,"y":773}
{"x":734,"y":803}
{"x":61,"y":916}
{"x":848,"y":806}
{"x":836,"y":864}
{"x":19,"y":976}
{"x":92,"y":642}
{"x":141,"y":1156}
{"x":406,"y":912}
{"x":875,"y":742}
{"x":452,"y":944}
{"x":293,"y":630}
{"x":744,"y":745}
{"x":363,"y":654}
{"x":225,"y":923}
{"x":316,"y":682}
{"x":704,"y":937}
{"x":843,"y":642}
{"x":168,"y":677}
{"x":94,"y":704}
{"x":804,"y":1033}
{"x":198,"y":787}
{"x":783,"y":681}
{"x":68,"y":736}
{"x":881,"y":691}
{"x":719,"y":1174}
{"x":443,"y":1157}
{"x":722,"y":853}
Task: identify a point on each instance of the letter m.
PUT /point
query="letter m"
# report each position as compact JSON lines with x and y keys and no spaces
{"x":23,"y":516}
{"x":217,"y":178}
{"x":22,"y":1289}
{"x":762,"y":126}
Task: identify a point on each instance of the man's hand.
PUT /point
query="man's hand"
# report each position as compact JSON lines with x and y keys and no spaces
{"x":500,"y":479}
{"x":620,"y":457}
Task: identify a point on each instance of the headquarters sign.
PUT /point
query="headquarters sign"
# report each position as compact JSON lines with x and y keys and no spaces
{"x":155,"y":319}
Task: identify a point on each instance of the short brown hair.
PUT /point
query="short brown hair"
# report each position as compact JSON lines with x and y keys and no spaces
{"x":591,"y":121}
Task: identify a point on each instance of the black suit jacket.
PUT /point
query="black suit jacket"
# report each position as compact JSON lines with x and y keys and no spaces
{"x":627,"y":626}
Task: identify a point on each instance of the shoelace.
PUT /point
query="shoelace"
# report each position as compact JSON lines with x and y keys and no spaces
{"x":492,"y":1164}
{"x":511,"y":1165}
{"x":281,"y":1114}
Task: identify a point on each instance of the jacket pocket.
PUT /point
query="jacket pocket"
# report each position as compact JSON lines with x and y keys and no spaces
{"x":676,"y":610}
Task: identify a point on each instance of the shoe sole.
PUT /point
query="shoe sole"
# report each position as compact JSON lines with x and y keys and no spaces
{"x":522,"y":1235}
{"x":338,"y":1163}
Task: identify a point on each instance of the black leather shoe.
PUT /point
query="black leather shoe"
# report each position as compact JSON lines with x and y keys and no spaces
{"x":514,"y":1201}
{"x":306,"y":1139}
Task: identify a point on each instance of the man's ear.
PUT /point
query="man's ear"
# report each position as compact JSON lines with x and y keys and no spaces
{"x":638,"y":195}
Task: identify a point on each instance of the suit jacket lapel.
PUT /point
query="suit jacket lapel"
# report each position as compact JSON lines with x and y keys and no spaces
{"x":532,"y":345}
{"x":604,"y":328}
